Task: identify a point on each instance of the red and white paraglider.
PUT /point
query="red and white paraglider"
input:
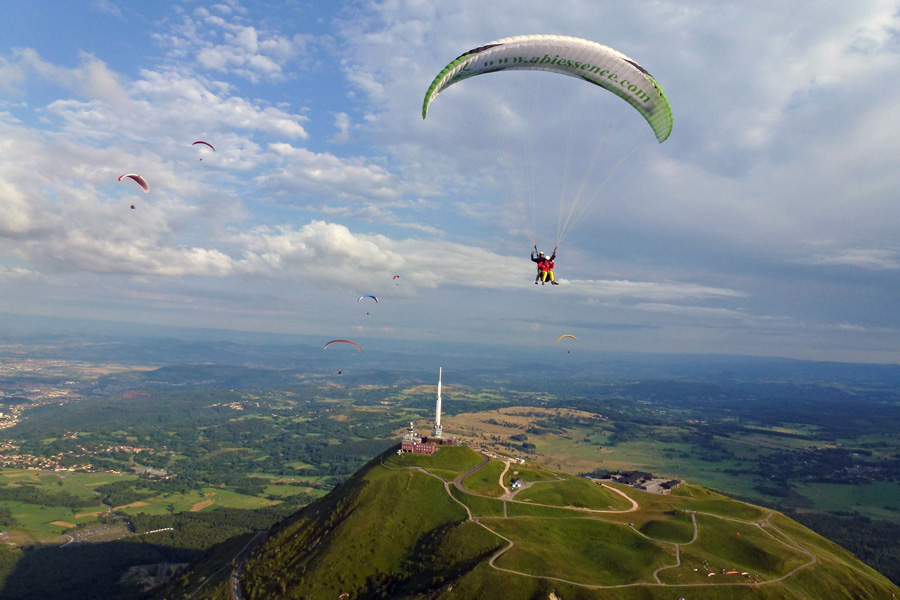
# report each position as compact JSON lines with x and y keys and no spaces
{"x":354,"y":344}
{"x":140,"y":180}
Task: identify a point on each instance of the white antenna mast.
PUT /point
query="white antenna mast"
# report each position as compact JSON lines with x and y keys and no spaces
{"x":437,"y":420}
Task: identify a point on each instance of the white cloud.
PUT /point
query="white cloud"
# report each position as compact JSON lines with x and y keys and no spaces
{"x":14,"y":272}
{"x":106,"y":6}
{"x":342,"y":125}
{"x":647,"y":290}
{"x":876,"y":259}
{"x":225,"y":43}
{"x":326,"y":175}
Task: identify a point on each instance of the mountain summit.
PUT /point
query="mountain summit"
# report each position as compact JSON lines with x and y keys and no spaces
{"x":453,"y":525}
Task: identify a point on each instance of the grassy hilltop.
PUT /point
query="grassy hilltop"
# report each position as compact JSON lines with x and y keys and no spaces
{"x":448,"y":526}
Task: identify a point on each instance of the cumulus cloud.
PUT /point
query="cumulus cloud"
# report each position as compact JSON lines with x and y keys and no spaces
{"x":226,"y":43}
{"x":325,"y":175}
{"x":342,"y":125}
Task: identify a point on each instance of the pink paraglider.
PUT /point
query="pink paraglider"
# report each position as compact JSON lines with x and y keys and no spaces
{"x":140,"y":180}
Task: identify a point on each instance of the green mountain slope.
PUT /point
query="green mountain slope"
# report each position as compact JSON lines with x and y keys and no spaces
{"x":415,"y":526}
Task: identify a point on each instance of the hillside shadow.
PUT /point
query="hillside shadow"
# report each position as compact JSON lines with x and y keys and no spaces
{"x":85,"y":571}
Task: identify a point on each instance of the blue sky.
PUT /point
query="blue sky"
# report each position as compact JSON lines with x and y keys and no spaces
{"x":765,"y":225}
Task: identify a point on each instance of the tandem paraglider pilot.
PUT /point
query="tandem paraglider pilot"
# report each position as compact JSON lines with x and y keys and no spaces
{"x":545,"y":266}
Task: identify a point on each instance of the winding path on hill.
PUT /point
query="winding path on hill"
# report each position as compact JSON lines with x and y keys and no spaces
{"x":764,"y":526}
{"x":458,"y":483}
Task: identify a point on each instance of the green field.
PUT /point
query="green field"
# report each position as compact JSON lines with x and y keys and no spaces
{"x":486,"y":480}
{"x":480,"y":507}
{"x":675,"y":527}
{"x":455,"y":459}
{"x":707,"y":501}
{"x":877,"y":500}
{"x":575,"y":492}
{"x":527,"y":474}
{"x":36,"y":519}
{"x":203,"y":499}
{"x":581,"y":550}
{"x":746,"y":548}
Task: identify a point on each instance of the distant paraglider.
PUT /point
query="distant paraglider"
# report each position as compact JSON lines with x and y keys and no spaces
{"x":354,"y":344}
{"x":566,"y":335}
{"x":140,"y":180}
{"x":395,"y":278}
{"x":368,"y":296}
{"x":205,"y":144}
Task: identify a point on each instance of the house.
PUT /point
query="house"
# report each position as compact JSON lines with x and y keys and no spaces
{"x":633,"y":477}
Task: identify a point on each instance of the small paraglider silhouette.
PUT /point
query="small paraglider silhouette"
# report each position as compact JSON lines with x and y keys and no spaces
{"x":566,"y":335}
{"x":340,"y":371}
{"x":205,"y":144}
{"x":354,"y":344}
{"x":368,"y":296}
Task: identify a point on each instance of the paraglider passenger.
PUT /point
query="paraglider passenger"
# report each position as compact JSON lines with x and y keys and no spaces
{"x":549,"y":265}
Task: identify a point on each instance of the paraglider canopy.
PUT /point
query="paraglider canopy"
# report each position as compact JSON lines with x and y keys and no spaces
{"x":204,"y":143}
{"x":567,"y":335}
{"x":140,"y":180}
{"x":583,"y":59}
{"x":368,"y":296}
{"x":354,"y":344}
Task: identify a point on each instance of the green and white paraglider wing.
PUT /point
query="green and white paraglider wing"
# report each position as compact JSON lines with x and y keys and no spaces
{"x":576,"y":57}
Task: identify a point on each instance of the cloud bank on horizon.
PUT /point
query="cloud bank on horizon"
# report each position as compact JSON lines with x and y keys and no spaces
{"x":766,"y":224}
